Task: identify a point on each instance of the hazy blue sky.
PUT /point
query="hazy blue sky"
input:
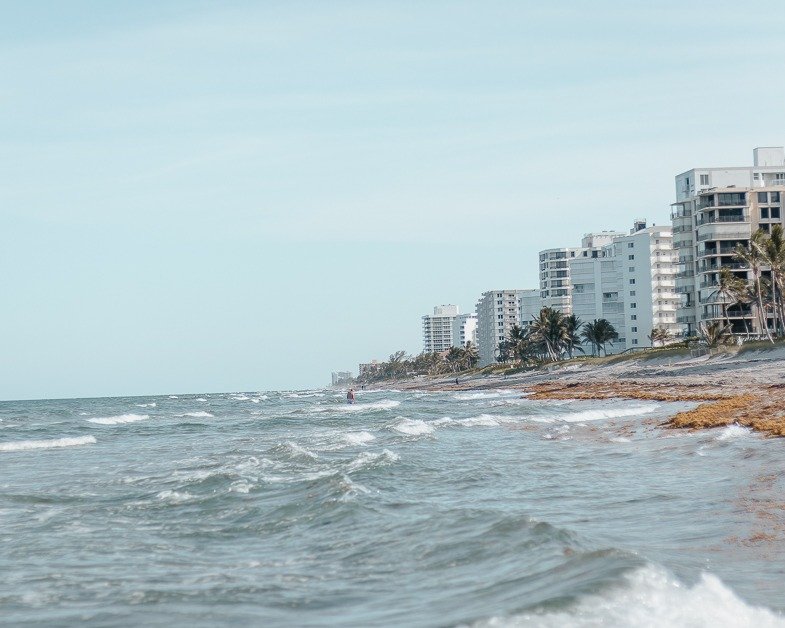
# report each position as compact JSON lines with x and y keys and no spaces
{"x":212,"y":196}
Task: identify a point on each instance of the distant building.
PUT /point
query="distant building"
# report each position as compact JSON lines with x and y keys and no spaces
{"x":464,"y":329}
{"x":555,"y":291}
{"x":530,"y":305}
{"x":437,"y":328}
{"x":342,"y":377}
{"x":717,"y":209}
{"x":497,"y":312}
{"x":367,"y":367}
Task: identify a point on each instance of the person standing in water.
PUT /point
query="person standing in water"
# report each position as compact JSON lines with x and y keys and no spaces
{"x":350,"y":396}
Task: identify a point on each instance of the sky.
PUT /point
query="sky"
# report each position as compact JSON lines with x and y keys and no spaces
{"x":223,"y":196}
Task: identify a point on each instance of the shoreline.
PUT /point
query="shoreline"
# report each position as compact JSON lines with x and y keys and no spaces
{"x":734,"y":387}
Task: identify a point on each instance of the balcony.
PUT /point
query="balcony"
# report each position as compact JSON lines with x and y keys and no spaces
{"x":688,"y":319}
{"x":685,"y":273}
{"x":735,"y":217}
{"x":686,"y":259}
{"x":707,"y":267}
{"x":682,"y":244}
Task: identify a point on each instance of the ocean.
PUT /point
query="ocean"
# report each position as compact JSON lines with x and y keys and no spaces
{"x":406,"y":508}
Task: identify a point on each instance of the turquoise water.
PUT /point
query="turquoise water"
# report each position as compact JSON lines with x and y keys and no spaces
{"x":293,"y":508}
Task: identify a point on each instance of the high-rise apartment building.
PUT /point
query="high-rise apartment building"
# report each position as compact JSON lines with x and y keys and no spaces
{"x":717,"y":209}
{"x":530,"y":306}
{"x":631,"y":284}
{"x":497,"y":312}
{"x":464,"y":329}
{"x":555,"y":282}
{"x":437,"y":328}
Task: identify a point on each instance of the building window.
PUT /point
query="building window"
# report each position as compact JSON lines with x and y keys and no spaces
{"x":756,"y":175}
{"x":634,"y":330}
{"x":704,"y":179}
{"x":632,"y":293}
{"x":630,"y":245}
{"x":635,"y":341}
{"x":775,"y":197}
{"x":630,"y":257}
{"x":632,"y":281}
{"x":633,"y":317}
{"x":633,"y":306}
{"x":775,"y":212}
{"x":632,"y":269}
{"x":762,"y":197}
{"x":764,"y":212}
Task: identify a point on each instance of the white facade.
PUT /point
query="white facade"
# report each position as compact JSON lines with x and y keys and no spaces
{"x":715,"y":210}
{"x":648,"y":266}
{"x":464,"y":329}
{"x":437,"y":328}
{"x":631,"y":284}
{"x":530,"y":306}
{"x":497,"y":312}
{"x":555,"y":291}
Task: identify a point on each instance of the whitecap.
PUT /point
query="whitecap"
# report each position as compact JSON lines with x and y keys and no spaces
{"x":733,"y":431}
{"x":484,"y":420}
{"x":146,"y":405}
{"x":366,"y":459}
{"x":607,"y":413}
{"x":173,"y":397}
{"x":358,"y":438}
{"x":651,"y":597}
{"x":175,"y":497}
{"x":23,"y":445}
{"x":199,"y":414}
{"x":119,"y":419}
{"x":240,"y":397}
{"x":413,"y":427}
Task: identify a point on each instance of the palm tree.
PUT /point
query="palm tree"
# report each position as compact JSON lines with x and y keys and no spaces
{"x":752,"y":256}
{"x":658,"y":334}
{"x":728,"y":291}
{"x":454,"y":358}
{"x":573,"y":339}
{"x":503,"y":351}
{"x":470,"y":355}
{"x":715,"y":333}
{"x":550,"y":329}
{"x":599,"y":333}
{"x":773,"y":251}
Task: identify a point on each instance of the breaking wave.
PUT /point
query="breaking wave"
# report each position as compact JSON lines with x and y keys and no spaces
{"x":119,"y":419}
{"x":24,"y":445}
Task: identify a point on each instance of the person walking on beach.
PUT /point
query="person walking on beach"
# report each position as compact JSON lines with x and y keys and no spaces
{"x":350,"y":396}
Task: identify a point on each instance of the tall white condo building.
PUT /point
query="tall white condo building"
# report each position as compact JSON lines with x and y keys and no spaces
{"x":717,"y":209}
{"x":437,"y":328}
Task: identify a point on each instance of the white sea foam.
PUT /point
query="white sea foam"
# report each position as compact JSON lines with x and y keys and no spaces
{"x":651,"y":597}
{"x":608,"y":413}
{"x":484,"y":420}
{"x":733,"y":431}
{"x":382,"y":404}
{"x":119,"y":419}
{"x":201,"y":399}
{"x":296,"y":451}
{"x":412,"y":427}
{"x":146,"y":405}
{"x":358,"y":438}
{"x":175,"y":497}
{"x":23,"y":445}
{"x":366,"y":459}
{"x":240,"y":397}
{"x":199,"y":414}
{"x":619,"y":439}
{"x":173,"y":397}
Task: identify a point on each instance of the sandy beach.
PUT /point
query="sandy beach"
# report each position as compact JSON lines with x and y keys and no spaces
{"x":735,"y":386}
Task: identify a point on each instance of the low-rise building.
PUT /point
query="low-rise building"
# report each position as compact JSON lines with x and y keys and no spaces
{"x":464,"y":329}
